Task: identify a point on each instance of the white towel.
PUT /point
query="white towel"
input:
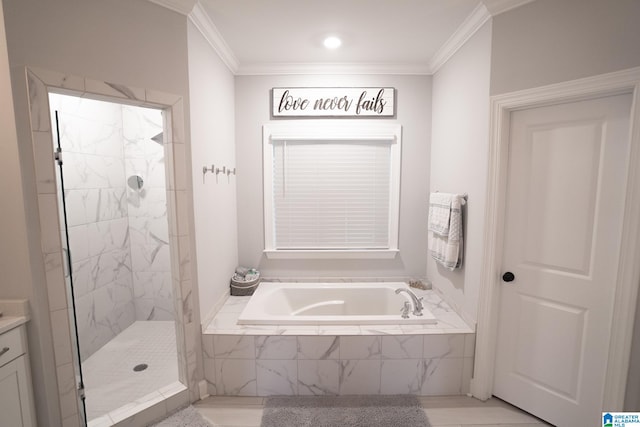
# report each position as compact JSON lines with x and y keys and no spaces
{"x":445,"y":225}
{"x":440,"y":213}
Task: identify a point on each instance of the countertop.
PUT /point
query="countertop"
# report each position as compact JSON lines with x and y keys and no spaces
{"x":9,"y":322}
{"x":13,"y":313}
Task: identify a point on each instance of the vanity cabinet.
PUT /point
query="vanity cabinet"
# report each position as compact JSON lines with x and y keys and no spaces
{"x":16,"y":401}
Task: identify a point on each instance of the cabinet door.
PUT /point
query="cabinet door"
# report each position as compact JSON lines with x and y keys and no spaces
{"x":15,"y":402}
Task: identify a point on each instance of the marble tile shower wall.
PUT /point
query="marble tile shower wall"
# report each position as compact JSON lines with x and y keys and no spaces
{"x":94,"y":178}
{"x":102,"y":225}
{"x":147,"y":211}
{"x":243,"y":365}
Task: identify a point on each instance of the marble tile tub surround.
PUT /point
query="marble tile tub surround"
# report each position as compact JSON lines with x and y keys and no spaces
{"x":245,"y":360}
{"x":119,"y":239}
{"x":263,"y":365}
{"x":38,"y":82}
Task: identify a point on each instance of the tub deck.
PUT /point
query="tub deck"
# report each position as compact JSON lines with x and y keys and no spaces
{"x":225,"y":322}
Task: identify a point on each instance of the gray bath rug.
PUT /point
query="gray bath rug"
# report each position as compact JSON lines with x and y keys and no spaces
{"x":188,"y":417}
{"x":343,"y":411}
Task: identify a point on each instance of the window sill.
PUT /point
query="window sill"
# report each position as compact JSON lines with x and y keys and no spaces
{"x":331,"y":254}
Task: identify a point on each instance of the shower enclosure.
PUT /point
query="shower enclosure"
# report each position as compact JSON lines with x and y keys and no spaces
{"x":112,"y":196}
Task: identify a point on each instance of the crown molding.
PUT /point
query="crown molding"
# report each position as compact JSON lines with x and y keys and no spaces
{"x":199,"y":17}
{"x":496,"y":7}
{"x":476,"y":19}
{"x":183,"y":7}
{"x":332,"y":69}
{"x":465,"y":31}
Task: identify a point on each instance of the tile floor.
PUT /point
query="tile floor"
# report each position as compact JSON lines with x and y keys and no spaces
{"x":111,"y":382}
{"x":442,"y":411}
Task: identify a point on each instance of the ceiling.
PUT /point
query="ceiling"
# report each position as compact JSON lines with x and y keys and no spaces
{"x":402,"y":36}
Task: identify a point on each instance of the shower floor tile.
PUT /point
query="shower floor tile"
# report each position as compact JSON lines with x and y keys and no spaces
{"x":109,"y":376}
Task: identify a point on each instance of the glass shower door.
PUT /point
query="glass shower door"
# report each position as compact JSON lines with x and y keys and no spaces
{"x":68,"y":271}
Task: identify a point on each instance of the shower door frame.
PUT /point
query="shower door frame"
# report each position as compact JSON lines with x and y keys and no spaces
{"x":39,"y":83}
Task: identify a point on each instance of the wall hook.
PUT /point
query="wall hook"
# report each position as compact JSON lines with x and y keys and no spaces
{"x":205,"y":170}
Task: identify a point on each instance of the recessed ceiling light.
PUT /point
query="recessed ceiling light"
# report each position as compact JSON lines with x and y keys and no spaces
{"x":332,"y":42}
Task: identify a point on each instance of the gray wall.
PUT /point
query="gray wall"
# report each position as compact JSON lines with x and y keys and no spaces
{"x":131,"y":42}
{"x":459,"y":148}
{"x":214,"y":199}
{"x":17,"y":276}
{"x":549,"y":41}
{"x":14,"y":260}
{"x":413,"y":113}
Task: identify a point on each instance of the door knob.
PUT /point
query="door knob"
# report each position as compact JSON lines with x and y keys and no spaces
{"x":508,"y":276}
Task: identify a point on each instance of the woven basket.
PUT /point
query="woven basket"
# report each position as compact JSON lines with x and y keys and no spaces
{"x":242,"y":288}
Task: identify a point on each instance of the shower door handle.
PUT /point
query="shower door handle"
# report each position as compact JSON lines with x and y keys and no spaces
{"x":67,"y":262}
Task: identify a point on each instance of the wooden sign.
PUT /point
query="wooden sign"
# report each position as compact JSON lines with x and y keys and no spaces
{"x":313,"y":102}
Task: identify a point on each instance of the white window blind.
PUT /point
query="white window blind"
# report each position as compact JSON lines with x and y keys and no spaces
{"x":331,"y":194}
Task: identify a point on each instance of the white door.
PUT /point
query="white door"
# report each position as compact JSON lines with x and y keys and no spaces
{"x":563,"y":225}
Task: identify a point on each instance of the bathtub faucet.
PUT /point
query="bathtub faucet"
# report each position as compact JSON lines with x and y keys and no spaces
{"x":417,"y":302}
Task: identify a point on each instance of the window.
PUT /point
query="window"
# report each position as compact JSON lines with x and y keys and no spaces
{"x":331,"y":189}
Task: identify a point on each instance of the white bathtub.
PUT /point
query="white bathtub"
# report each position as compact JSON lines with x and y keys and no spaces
{"x":330,"y":303}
